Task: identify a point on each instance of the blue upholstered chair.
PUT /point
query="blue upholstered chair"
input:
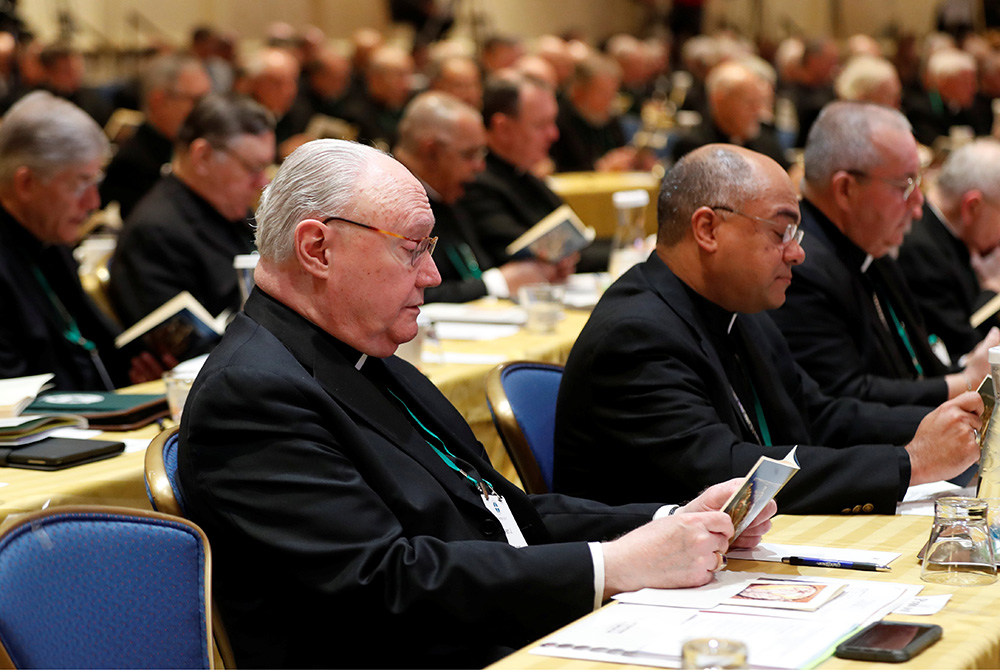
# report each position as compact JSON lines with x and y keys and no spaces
{"x":105,"y":587}
{"x":522,"y":400}
{"x":165,"y":496}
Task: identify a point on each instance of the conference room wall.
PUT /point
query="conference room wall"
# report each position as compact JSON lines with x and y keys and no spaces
{"x":114,"y":21}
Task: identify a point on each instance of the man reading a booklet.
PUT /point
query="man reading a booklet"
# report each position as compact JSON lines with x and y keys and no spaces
{"x":51,"y":156}
{"x":343,"y":493}
{"x":679,"y":379}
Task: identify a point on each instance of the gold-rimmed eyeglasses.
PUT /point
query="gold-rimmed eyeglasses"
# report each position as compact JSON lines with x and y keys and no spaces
{"x":907,"y":184}
{"x":424,"y":244}
{"x":791,"y":232}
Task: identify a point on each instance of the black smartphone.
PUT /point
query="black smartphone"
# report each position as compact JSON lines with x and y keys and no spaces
{"x":889,"y":641}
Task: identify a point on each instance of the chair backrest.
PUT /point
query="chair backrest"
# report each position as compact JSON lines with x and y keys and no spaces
{"x":165,"y":496}
{"x":105,"y":587}
{"x":522,"y":399}
{"x":161,"y":473}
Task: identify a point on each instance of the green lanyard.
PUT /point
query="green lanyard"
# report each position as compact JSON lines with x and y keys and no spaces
{"x":71,"y":331}
{"x":901,"y":329}
{"x":464,"y":260}
{"x":446,"y":455}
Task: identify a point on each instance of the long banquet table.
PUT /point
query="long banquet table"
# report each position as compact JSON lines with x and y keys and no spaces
{"x":970,"y":620}
{"x":119,"y":480}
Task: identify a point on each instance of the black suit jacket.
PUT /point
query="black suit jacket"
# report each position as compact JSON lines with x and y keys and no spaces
{"x":931,"y":118}
{"x":339,"y":537}
{"x":504,"y":202}
{"x":580,"y":142}
{"x":834,"y":331}
{"x":176,"y":241}
{"x":457,"y":249}
{"x":645,"y":406}
{"x":136,"y":167}
{"x":31,"y":329}
{"x":937,"y":268}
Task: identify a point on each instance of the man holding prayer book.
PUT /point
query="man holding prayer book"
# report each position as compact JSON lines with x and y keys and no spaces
{"x":345,"y":496}
{"x":679,"y":379}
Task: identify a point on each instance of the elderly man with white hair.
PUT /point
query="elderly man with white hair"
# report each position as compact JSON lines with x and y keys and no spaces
{"x":342,"y":492}
{"x":869,"y":79}
{"x":961,"y":222}
{"x":949,"y":99}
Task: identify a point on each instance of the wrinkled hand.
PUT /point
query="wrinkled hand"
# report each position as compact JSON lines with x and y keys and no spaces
{"x":945,"y":444}
{"x":714,"y":497}
{"x":146,"y":367}
{"x":977,"y":364}
{"x":671,"y":552}
{"x":616,"y":160}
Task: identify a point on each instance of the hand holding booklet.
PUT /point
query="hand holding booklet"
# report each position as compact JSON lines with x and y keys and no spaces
{"x":556,"y":236}
{"x":761,"y":484}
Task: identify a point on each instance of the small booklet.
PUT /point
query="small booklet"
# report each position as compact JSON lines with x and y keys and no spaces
{"x":981,"y":315}
{"x":556,"y":236}
{"x":18,"y":392}
{"x":760,"y":485}
{"x":181,"y":327}
{"x":787,"y":595}
{"x":104,"y":409}
{"x":20,"y":430}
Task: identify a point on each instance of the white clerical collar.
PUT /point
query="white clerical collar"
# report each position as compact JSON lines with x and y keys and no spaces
{"x":868,"y":261}
{"x":361,"y":361}
{"x":729,"y":330}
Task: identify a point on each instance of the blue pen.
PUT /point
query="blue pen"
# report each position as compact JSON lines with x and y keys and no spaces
{"x":845,"y":565}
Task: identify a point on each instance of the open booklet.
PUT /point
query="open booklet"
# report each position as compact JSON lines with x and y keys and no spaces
{"x":181,"y":327}
{"x":760,"y":485}
{"x":556,"y":236}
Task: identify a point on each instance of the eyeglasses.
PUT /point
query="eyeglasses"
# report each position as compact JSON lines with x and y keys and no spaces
{"x":792,"y":230}
{"x":907,"y":185}
{"x":252,"y":170}
{"x":424,"y":244}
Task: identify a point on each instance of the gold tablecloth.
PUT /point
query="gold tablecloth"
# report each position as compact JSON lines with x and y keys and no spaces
{"x":119,"y":480}
{"x":971,"y":636}
{"x":589,"y":194}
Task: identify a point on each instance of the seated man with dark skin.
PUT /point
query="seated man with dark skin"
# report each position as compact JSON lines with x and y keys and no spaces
{"x":341,"y":490}
{"x":679,"y":379}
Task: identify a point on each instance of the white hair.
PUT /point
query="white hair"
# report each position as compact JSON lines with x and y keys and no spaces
{"x":974,"y":166}
{"x":862,"y":75}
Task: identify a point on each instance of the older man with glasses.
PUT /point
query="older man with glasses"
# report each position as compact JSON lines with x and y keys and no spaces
{"x":343,"y":494}
{"x":184,"y":234}
{"x":850,"y":318}
{"x":679,"y":379}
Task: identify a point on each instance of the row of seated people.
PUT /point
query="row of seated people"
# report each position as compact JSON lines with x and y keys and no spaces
{"x":349,"y":427}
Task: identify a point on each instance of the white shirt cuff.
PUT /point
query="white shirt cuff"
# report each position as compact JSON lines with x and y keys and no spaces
{"x":496,"y":285}
{"x":666,"y":510}
{"x":597,"y":554}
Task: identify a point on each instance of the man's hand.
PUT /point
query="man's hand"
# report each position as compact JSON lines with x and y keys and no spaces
{"x":146,"y":367}
{"x":519,"y":273}
{"x":714,"y":497}
{"x":945,"y":442}
{"x":671,"y":552}
{"x":616,"y":160}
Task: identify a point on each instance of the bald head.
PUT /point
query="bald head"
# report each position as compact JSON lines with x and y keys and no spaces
{"x":389,"y":72}
{"x":737,"y":96}
{"x":273,"y":75}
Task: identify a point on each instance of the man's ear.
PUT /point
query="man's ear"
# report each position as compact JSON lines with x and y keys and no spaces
{"x":841,"y":186}
{"x":970,"y":207}
{"x":704,"y":222}
{"x":312,"y":248}
{"x":199,"y":154}
{"x":24,"y":181}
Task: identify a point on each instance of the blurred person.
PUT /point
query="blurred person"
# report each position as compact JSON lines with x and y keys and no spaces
{"x":961,"y":221}
{"x":458,"y":76}
{"x":863,"y":45}
{"x":738,"y":99}
{"x":555,"y":50}
{"x":170,"y":87}
{"x":64,"y":71}
{"x":442,"y":141}
{"x":326,"y":78}
{"x":814,"y":88}
{"x":500,"y":52}
{"x":51,"y":159}
{"x":850,"y":319}
{"x":531,"y":65}
{"x":272,"y":79}
{"x":633,"y":59}
{"x":388,"y":87}
{"x":870,"y":79}
{"x":949,"y":98}
{"x":183,"y":235}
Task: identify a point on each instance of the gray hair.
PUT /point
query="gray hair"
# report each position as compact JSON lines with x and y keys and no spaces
{"x":862,"y":75}
{"x":946,"y":63}
{"x":841,"y":138}
{"x":974,"y":166}
{"x":46,"y":134}
{"x":712,"y":176}
{"x":317,"y":180}
{"x":433,"y":115}
{"x":162,"y":73}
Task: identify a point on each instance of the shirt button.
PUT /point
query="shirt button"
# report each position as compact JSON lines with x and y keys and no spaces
{"x":857,"y":509}
{"x":868,"y":508}
{"x":489,"y":527}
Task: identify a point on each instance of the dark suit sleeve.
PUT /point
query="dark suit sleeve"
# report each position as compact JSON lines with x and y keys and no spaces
{"x":456,"y":290}
{"x":640,"y":413}
{"x":149,"y":268}
{"x":817,"y":323}
{"x":495,"y":217}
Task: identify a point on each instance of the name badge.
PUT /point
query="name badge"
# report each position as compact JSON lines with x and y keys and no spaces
{"x":501,"y":510}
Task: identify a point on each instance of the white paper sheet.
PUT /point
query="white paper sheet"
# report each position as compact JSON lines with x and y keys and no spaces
{"x":919,"y":499}
{"x":773,"y":553}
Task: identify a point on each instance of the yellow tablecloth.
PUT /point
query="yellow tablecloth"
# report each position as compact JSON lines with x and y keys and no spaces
{"x":971,"y":636}
{"x":119,"y":480}
{"x":589,"y":194}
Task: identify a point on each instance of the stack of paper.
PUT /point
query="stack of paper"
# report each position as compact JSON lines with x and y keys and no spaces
{"x":17,"y":393}
{"x":15,"y":431}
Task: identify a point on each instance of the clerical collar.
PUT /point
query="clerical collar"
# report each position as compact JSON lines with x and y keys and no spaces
{"x":715,"y":318}
{"x":361,"y":361}
{"x":866,"y":263}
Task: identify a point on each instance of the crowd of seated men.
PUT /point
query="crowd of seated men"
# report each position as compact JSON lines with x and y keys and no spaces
{"x":773,"y":311}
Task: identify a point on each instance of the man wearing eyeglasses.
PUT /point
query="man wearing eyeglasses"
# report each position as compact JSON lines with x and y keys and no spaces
{"x":679,"y":378}
{"x":343,"y":494}
{"x":850,"y":319}
{"x":183,"y":235}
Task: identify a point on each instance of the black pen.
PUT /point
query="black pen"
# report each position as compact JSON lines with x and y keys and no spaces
{"x":845,"y":565}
